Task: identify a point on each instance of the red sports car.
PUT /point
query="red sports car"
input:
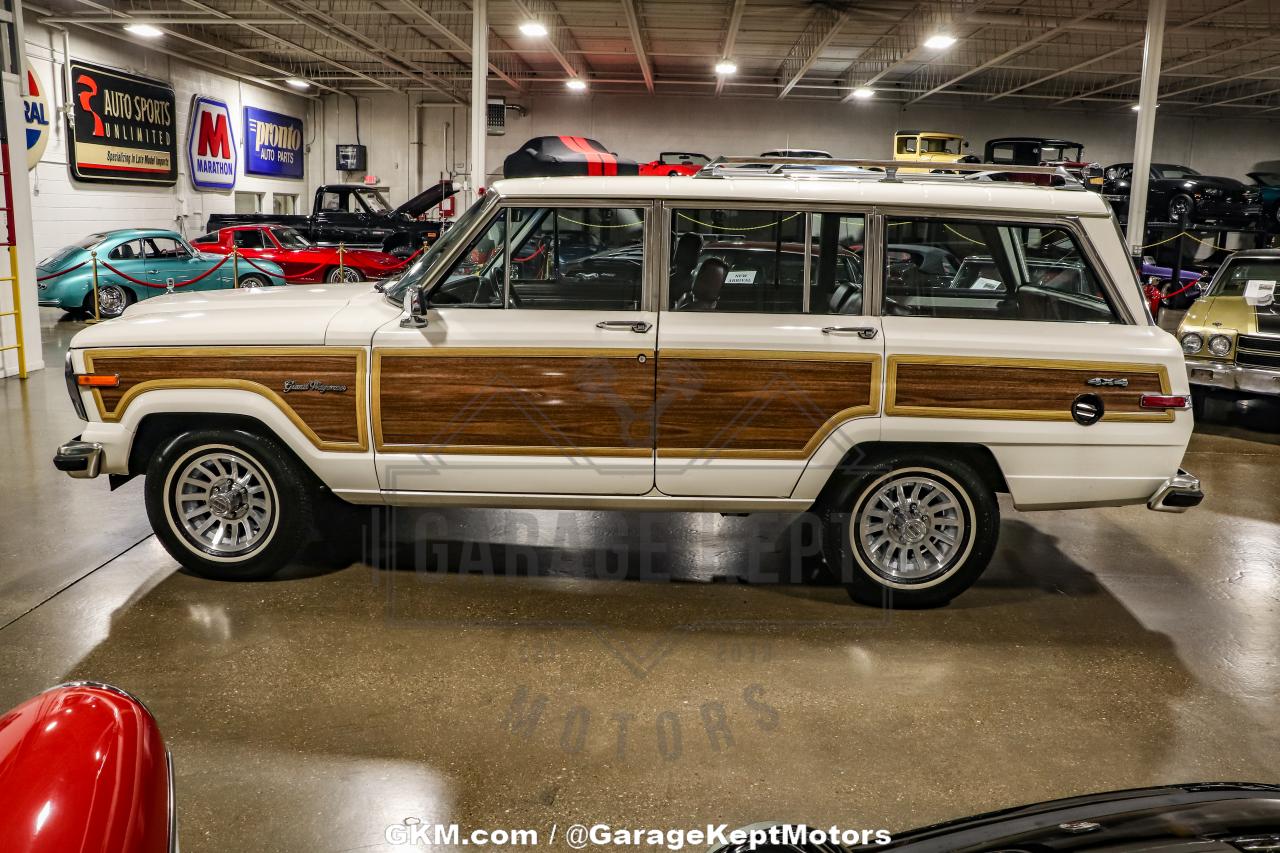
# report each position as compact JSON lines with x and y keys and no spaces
{"x":303,"y":262}
{"x":675,"y":163}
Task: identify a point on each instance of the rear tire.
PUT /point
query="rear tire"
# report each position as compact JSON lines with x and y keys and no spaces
{"x":912,"y":529}
{"x":340,"y":275}
{"x":228,"y":504}
{"x":1180,"y":210}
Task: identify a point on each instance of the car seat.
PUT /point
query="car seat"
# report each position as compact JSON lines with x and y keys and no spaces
{"x":688,"y":250}
{"x":705,"y":292}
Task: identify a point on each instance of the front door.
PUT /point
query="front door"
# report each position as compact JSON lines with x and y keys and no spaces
{"x":535,"y":372}
{"x":766,"y":358}
{"x":170,"y":261}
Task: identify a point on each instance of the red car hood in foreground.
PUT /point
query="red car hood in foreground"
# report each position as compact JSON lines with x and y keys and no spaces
{"x":83,"y":769}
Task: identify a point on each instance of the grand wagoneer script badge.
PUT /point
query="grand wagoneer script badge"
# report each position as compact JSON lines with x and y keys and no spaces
{"x":1107,"y":382}
{"x":313,"y":385}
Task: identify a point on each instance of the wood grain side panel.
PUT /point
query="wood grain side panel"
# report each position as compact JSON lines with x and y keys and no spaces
{"x":768,"y":407}
{"x":333,"y":418}
{"x":597,"y":403}
{"x":1029,"y":389}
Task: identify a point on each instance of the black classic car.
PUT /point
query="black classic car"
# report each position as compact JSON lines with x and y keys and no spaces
{"x":356,"y":215}
{"x":1040,"y":151}
{"x":1183,"y":196}
{"x":1215,"y":817}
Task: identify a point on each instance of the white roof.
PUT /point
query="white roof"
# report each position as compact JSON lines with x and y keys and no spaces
{"x":933,"y":193}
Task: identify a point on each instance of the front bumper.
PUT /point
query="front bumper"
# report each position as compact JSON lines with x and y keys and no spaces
{"x":1233,"y":377}
{"x":81,"y":459}
{"x":1177,"y":494}
{"x":1227,"y":210}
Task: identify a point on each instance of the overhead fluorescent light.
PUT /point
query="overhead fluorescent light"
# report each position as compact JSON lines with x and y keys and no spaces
{"x":577,"y":84}
{"x":726,"y":66}
{"x":1137,"y":107}
{"x":146,"y":31}
{"x":862,"y":93}
{"x":298,"y":82}
{"x":533,"y":28}
{"x":941,"y":41}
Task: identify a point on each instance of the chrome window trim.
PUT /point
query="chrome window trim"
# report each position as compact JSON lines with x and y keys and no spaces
{"x":873,"y":261}
{"x":806,"y":265}
{"x":1071,"y":224}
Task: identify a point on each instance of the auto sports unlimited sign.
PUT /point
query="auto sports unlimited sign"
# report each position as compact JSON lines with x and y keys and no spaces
{"x":273,"y":144}
{"x":211,"y":148}
{"x":122,"y":127}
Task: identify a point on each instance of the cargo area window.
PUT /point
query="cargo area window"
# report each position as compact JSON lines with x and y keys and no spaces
{"x":989,"y":271}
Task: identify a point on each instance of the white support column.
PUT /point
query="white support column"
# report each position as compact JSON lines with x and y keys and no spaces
{"x":1145,"y":132}
{"x":479,"y":94}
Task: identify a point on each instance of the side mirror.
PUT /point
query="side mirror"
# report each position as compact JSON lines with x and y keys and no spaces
{"x":415,"y":308}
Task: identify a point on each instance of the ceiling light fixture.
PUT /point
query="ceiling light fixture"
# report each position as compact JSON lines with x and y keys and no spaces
{"x":941,"y":41}
{"x":576,"y":84}
{"x":862,"y":93}
{"x":726,"y":66}
{"x":298,"y":82}
{"x":533,"y":28}
{"x":1137,"y":107}
{"x":146,"y":31}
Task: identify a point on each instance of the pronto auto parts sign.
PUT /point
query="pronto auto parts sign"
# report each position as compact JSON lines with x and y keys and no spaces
{"x":122,"y":127}
{"x":211,"y":148}
{"x":35,"y":110}
{"x":272,"y":144}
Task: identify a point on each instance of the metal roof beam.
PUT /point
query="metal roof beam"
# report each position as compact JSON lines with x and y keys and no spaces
{"x":730,"y":38}
{"x":559,"y":41}
{"x":823,"y":27}
{"x":637,"y":41}
{"x":429,"y":12}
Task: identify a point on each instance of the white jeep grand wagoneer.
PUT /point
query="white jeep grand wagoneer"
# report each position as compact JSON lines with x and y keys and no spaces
{"x":891,"y":352}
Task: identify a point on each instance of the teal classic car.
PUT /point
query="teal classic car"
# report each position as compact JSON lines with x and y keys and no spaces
{"x":137,"y":263}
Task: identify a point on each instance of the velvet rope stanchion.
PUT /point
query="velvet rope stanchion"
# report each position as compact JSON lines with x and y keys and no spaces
{"x":93,"y":256}
{"x":235,"y":267}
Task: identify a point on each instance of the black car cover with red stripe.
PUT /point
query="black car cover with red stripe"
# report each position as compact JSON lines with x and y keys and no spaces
{"x":546,"y":156}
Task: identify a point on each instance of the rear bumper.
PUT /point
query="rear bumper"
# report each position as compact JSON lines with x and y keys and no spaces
{"x":1177,"y":494}
{"x":80,"y":459}
{"x":1233,"y":377}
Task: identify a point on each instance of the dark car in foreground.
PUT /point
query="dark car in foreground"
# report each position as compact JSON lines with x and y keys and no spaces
{"x":1183,"y":196}
{"x":1211,"y":817}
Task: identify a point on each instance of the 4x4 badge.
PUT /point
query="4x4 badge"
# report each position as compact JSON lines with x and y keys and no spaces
{"x":1107,"y":381}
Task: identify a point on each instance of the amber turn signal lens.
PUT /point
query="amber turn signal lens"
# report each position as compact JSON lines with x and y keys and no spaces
{"x":1164,"y":401}
{"x":98,"y":380}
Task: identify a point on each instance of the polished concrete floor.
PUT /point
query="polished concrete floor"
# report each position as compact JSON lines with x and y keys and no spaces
{"x":518,"y":669}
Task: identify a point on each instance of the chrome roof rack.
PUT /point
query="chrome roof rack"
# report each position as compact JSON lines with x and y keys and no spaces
{"x":887,"y":171}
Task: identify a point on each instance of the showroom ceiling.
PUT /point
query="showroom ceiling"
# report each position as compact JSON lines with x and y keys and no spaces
{"x":1221,"y":56}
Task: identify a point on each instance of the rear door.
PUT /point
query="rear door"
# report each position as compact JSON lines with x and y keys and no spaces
{"x":1029,"y":350}
{"x":531,"y":376}
{"x":767,"y":360}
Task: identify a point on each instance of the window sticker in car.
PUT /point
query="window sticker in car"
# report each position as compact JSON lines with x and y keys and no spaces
{"x":981,"y":283}
{"x":741,"y":277}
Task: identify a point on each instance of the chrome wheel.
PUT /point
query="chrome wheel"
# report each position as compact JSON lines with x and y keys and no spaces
{"x":1180,"y":210}
{"x":346,"y":275}
{"x":221,"y":502}
{"x":911,"y":528}
{"x":112,"y":300}
{"x":252,"y":281}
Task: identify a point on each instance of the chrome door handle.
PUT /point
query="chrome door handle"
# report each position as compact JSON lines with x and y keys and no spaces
{"x":637,"y":326}
{"x":864,"y":332}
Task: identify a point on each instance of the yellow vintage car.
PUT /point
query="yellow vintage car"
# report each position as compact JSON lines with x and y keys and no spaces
{"x":1231,"y":335}
{"x":929,"y":145}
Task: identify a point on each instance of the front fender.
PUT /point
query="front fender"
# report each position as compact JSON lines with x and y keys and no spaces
{"x":84,"y":764}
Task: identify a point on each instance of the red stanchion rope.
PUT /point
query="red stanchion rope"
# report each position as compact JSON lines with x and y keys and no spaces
{"x":539,"y":251}
{"x":63,"y":272}
{"x":283,"y":274}
{"x":405,"y":262}
{"x":1183,"y":290}
{"x":176,"y":284}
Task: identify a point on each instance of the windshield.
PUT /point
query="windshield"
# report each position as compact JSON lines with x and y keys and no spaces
{"x":289,"y":238}
{"x":1176,"y":172}
{"x":375,"y":200}
{"x":1267,"y":179}
{"x":1239,"y":273}
{"x":415,"y":275}
{"x":1056,"y":153}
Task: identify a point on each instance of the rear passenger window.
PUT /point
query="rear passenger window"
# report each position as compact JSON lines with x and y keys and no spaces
{"x":765,"y":261}
{"x":248,"y":239}
{"x":989,"y":271}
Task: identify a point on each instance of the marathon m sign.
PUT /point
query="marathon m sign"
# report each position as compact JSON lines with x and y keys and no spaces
{"x":211,"y":148}
{"x":273,"y":144}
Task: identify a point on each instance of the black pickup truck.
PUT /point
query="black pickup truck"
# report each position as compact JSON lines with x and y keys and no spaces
{"x":356,"y":215}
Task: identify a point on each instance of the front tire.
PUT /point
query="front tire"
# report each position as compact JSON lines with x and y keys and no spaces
{"x":112,"y":300}
{"x":228,"y":504}
{"x":910,"y":530}
{"x":1180,"y":210}
{"x":254,"y":280}
{"x":343,"y":275}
